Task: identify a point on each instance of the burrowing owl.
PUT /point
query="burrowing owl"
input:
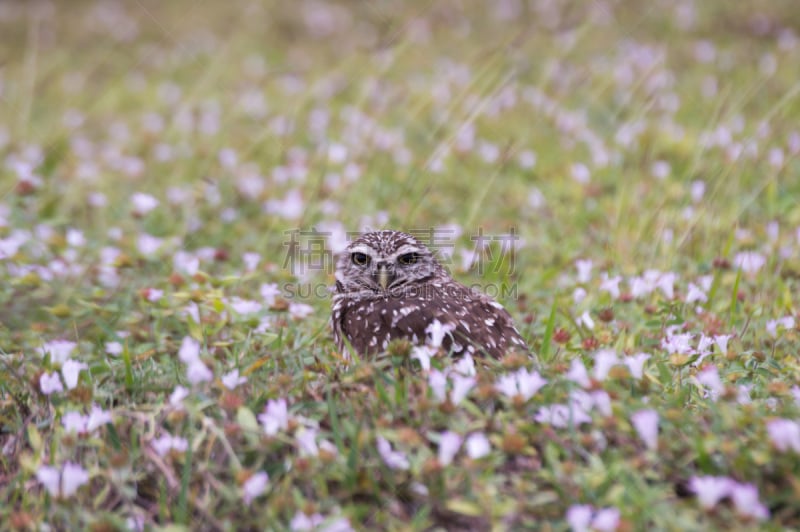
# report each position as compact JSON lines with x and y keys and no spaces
{"x":389,"y":286}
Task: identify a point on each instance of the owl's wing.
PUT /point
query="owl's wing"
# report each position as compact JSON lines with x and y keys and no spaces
{"x":472,"y":322}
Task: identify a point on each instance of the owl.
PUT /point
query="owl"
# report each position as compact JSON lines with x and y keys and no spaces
{"x":389,"y":286}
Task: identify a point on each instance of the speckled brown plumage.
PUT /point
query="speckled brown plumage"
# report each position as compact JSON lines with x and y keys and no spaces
{"x":389,"y":286}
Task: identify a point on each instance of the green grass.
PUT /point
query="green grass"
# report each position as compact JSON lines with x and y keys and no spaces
{"x":435,"y":104}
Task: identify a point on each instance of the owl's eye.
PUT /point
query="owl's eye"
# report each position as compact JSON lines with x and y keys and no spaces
{"x":360,"y":259}
{"x":408,"y":258}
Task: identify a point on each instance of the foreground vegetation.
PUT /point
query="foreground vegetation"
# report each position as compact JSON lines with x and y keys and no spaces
{"x":166,"y":357}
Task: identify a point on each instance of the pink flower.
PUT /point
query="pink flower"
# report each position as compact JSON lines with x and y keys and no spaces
{"x":143,"y":203}
{"x":275,"y":416}
{"x":521,"y":383}
{"x":477,"y":445}
{"x":254,"y":486}
{"x":710,"y":490}
{"x":232,"y":379}
{"x":745,"y":500}
{"x":300,"y":311}
{"x":307,"y":442}
{"x":50,"y":382}
{"x":71,"y":371}
{"x":784,"y":434}
{"x":583,"y":518}
{"x":577,"y":373}
{"x":610,"y":284}
{"x":269,"y":292}
{"x":113,"y":348}
{"x":584,"y":267}
{"x":167,"y":443}
{"x":709,"y":377}
{"x":635,"y":364}
{"x":64,"y":482}
{"x":423,"y":353}
{"x":646,"y":424}
{"x":189,"y":350}
{"x":449,"y":444}
{"x":562,"y":416}
{"x":197,"y":372}
{"x":604,"y":360}
{"x":436,"y":332}
{"x":461,"y":387}
{"x":177,"y":396}
{"x":392,"y":459}
{"x":750,"y":262}
{"x":59,"y":350}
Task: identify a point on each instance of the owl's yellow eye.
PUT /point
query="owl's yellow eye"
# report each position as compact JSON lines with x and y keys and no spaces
{"x":360,"y":259}
{"x":408,"y":258}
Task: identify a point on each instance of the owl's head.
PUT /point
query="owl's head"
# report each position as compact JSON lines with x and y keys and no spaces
{"x":381,"y":261}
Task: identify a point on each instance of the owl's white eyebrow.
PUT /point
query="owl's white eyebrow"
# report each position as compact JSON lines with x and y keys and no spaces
{"x":406,"y":248}
{"x":361,"y":248}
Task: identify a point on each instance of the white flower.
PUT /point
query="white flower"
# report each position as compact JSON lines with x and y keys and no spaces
{"x":746,"y":502}
{"x":610,"y":284}
{"x":177,"y":396}
{"x":423,"y":353}
{"x":244,"y":306}
{"x":114,"y":348}
{"x":189,"y":350}
{"x":154,"y":295}
{"x":300,"y":310}
{"x":275,"y":416}
{"x":646,"y":424}
{"x":97,"y":417}
{"x":74,"y":422}
{"x":722,"y":342}
{"x":307,"y":442}
{"x":269,"y":291}
{"x":696,"y":294}
{"x":197,"y":372}
{"x":710,"y":490}
{"x":59,"y":350}
{"x":167,"y":442}
{"x":71,"y":371}
{"x":586,"y":320}
{"x":392,"y":459}
{"x":635,"y":364}
{"x":143,"y":203}
{"x":436,"y":332}
{"x":577,"y":373}
{"x":303,"y":522}
{"x":522,"y":382}
{"x":186,"y":263}
{"x":562,"y":416}
{"x":749,"y":262}
{"x":584,"y":267}
{"x":148,"y":244}
{"x":232,"y":379}
{"x":64,"y":482}
{"x":604,"y":360}
{"x":449,"y":444}
{"x":250,"y":261}
{"x":254,"y":486}
{"x":465,"y":366}
{"x":606,"y":520}
{"x":709,"y":377}
{"x":784,"y":434}
{"x":787,"y":322}
{"x":49,"y":383}
{"x":477,"y":445}
{"x":461,"y":387}
{"x":579,"y":517}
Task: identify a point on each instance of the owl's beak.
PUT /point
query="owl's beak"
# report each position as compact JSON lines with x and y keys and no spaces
{"x":385,"y":277}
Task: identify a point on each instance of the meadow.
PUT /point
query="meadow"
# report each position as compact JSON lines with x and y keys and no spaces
{"x":176,"y":177}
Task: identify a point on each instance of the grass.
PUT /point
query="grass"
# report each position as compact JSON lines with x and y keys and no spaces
{"x":642,"y":138}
